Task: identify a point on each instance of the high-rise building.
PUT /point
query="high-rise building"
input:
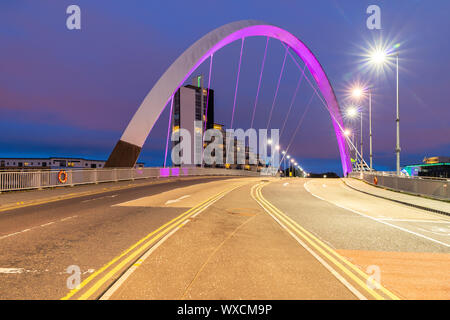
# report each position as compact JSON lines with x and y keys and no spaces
{"x":193,"y":110}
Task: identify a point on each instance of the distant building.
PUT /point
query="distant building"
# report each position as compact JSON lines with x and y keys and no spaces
{"x":193,"y":110}
{"x":434,"y":160}
{"x":438,"y":167}
{"x":52,"y":163}
{"x":193,"y":103}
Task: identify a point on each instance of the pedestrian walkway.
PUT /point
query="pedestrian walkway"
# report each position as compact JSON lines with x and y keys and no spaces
{"x":416,"y":201}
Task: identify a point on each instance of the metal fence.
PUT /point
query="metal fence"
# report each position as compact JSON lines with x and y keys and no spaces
{"x":438,"y":188}
{"x":23,"y":180}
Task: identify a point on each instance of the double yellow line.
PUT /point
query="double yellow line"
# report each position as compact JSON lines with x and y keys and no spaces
{"x":352,"y":272}
{"x":110,"y":270}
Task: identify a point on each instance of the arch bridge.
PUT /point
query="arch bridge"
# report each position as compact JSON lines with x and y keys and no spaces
{"x":128,"y":148}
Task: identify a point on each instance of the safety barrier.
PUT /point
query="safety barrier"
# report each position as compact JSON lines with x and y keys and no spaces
{"x":23,"y":180}
{"x":431,"y":187}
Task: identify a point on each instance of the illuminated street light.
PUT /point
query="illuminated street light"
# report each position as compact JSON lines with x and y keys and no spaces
{"x":269,"y":141}
{"x":277,"y":147}
{"x":357,"y":93}
{"x":379,"y":57}
{"x":347,"y":132}
{"x":352,"y":112}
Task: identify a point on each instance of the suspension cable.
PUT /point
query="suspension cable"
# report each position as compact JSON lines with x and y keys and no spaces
{"x":278,"y":86}
{"x":292,"y":100}
{"x":298,"y":126}
{"x":259,"y":82}
{"x":325,"y":104}
{"x":300,"y":122}
{"x":237,"y":83}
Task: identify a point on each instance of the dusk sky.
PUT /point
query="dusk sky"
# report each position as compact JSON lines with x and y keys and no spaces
{"x":72,"y":92}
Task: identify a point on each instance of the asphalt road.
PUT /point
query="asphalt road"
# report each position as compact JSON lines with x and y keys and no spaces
{"x":222,"y":238}
{"x":38,"y":243}
{"x":409,"y":247}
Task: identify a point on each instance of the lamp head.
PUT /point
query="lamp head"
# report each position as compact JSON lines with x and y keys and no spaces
{"x":352,"y":112}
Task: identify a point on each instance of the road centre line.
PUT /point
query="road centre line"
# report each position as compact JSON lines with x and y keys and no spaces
{"x":340,"y":278}
{"x":140,"y":246}
{"x":317,"y":244}
{"x":108,"y":294}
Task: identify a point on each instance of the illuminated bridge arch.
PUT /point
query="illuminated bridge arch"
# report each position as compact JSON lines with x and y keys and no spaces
{"x":128,"y":148}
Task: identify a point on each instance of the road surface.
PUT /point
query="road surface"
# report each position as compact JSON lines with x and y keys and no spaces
{"x":225,"y":238}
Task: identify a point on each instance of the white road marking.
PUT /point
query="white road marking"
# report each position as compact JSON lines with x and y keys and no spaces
{"x":438,"y":231}
{"x":89,"y":271}
{"x":40,"y":226}
{"x":12,"y":270}
{"x":122,"y":279}
{"x":340,"y":278}
{"x":111,"y":196}
{"x":64,"y":219}
{"x":177,"y":200}
{"x":47,"y":224}
{"x":285,"y":184}
{"x":415,"y":220}
{"x":376,"y":219}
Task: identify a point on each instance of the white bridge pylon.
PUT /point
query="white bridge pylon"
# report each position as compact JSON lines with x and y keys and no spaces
{"x":127,"y":149}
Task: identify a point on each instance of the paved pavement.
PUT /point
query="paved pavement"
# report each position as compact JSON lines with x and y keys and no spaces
{"x":398,"y":196}
{"x":222,"y":238}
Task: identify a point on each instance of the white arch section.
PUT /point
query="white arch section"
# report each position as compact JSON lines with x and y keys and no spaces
{"x":127,"y":149}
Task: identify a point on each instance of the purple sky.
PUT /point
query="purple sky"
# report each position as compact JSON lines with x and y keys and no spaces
{"x":72,"y":93}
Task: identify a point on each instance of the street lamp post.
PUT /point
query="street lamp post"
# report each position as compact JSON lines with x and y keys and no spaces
{"x":370,"y":130}
{"x":360,"y":113}
{"x":353,"y":112}
{"x":397,"y":149}
{"x":379,"y":57}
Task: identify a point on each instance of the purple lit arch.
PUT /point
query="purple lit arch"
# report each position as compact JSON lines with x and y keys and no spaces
{"x":127,"y":149}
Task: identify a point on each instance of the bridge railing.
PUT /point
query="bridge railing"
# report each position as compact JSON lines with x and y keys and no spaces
{"x":438,"y":188}
{"x":36,"y":179}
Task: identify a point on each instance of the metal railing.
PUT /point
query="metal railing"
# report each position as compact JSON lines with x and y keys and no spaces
{"x":23,"y":180}
{"x":438,"y":188}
